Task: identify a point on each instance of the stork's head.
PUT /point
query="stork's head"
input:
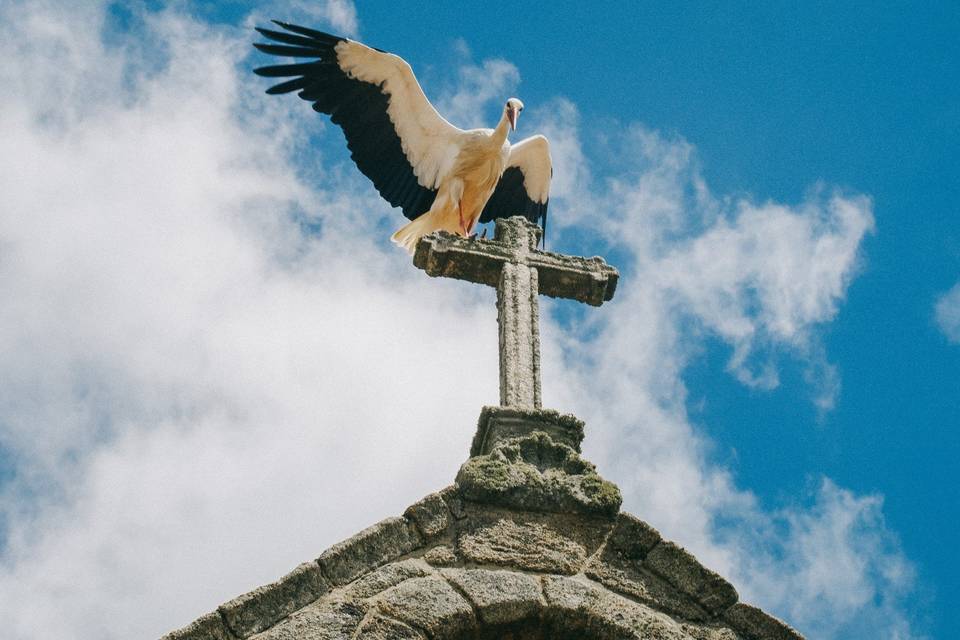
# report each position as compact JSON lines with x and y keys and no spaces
{"x":513,"y":109}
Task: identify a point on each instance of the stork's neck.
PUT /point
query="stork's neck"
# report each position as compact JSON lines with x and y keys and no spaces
{"x":500,"y":133}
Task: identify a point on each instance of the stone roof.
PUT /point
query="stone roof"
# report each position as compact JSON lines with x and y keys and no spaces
{"x":528,"y":542}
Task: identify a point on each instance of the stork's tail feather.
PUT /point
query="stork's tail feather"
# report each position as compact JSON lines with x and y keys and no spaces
{"x":409,"y":234}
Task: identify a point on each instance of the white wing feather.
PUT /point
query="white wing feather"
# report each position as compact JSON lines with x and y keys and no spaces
{"x":532,"y":157}
{"x":429,"y":142}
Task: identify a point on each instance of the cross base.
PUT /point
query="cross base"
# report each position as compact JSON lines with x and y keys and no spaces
{"x":498,"y":424}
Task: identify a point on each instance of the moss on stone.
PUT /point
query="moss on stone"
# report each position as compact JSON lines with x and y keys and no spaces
{"x":534,"y":472}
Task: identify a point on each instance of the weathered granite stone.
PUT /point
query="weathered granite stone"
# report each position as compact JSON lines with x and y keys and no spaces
{"x":324,"y":620}
{"x":757,"y":625}
{"x":589,"y":280}
{"x":572,"y":604}
{"x":498,"y":596}
{"x":705,"y":632}
{"x":206,"y":627}
{"x":642,"y":585}
{"x":518,"y":318}
{"x":534,"y":473}
{"x":631,"y":537}
{"x":528,"y":543}
{"x":679,"y":568}
{"x":499,"y":424}
{"x":381,"y":628}
{"x":430,"y":604}
{"x":385,"y":577}
{"x":430,"y":515}
{"x":569,"y":594}
{"x":619,"y":566}
{"x":442,"y":556}
{"x":259,"y":609}
{"x":451,"y":496}
{"x":372,"y":547}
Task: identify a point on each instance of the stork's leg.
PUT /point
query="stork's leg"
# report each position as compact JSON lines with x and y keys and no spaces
{"x":463,"y":223}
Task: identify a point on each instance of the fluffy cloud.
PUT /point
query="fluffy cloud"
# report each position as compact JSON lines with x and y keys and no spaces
{"x":341,"y":15}
{"x":837,"y":568}
{"x":947,"y":313}
{"x":212,"y":366}
{"x":463,"y":102}
{"x":184,"y":368}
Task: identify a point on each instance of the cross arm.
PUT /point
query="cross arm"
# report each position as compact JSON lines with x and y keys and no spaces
{"x":452,"y":256}
{"x":589,"y":280}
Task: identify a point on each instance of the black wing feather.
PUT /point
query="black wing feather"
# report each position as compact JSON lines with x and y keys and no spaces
{"x":288,"y":50}
{"x":290,"y":85}
{"x":510,"y":198}
{"x":313,"y":34}
{"x":359,"y":108}
{"x":288,"y":38}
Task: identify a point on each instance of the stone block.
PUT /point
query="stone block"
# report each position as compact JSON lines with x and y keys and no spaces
{"x":261,"y":608}
{"x":524,"y":543}
{"x":619,"y":566}
{"x":385,"y":577}
{"x":324,"y":620}
{"x":710,"y":632}
{"x":451,"y":496}
{"x":642,"y":585}
{"x":631,"y":537}
{"x":499,"y":597}
{"x":575,"y":605}
{"x":536,"y":474}
{"x":381,"y":628}
{"x":430,"y":604}
{"x":754,"y":624}
{"x":206,"y":627}
{"x":499,"y":424}
{"x":678,"y":567}
{"x":442,"y":556}
{"x":430,"y":515}
{"x":569,"y":594}
{"x":385,"y":541}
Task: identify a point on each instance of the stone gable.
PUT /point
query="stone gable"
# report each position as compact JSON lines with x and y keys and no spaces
{"x":528,"y":543}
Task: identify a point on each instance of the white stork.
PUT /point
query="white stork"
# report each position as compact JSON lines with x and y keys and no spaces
{"x":441,"y":176}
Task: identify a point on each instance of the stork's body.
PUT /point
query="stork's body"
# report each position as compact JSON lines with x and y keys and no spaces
{"x":441,"y":176}
{"x":463,"y":193}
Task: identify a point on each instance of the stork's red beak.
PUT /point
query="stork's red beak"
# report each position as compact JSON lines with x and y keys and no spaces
{"x":512,"y":117}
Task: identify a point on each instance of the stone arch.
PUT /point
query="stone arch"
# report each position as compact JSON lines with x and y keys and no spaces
{"x":502,"y":604}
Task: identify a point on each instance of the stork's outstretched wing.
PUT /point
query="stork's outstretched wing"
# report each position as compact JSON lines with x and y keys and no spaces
{"x":395,"y":136}
{"x":524,"y":188}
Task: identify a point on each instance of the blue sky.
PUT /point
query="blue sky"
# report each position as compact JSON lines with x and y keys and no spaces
{"x":776,"y":387}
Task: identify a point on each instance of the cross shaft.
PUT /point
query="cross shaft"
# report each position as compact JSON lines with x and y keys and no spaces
{"x":511,"y":263}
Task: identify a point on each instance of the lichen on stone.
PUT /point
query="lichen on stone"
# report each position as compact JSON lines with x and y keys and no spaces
{"x":535,"y":473}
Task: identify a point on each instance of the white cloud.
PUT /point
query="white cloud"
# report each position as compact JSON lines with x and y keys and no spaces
{"x":197,"y":395}
{"x":832,"y":564}
{"x":947,"y":313}
{"x":339,"y":14}
{"x":183,"y":371}
{"x":464,"y":101}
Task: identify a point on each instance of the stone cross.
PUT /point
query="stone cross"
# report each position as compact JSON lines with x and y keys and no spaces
{"x":511,"y":263}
